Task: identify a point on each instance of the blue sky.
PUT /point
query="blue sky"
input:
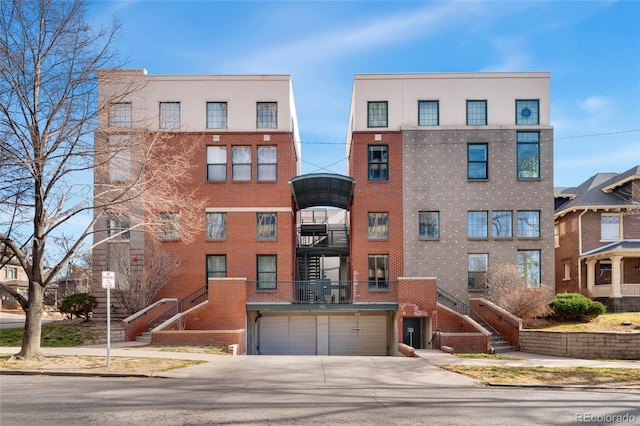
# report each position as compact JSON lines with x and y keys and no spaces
{"x":591,"y":48}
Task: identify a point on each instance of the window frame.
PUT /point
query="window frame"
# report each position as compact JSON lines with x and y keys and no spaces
{"x":167,"y":119}
{"x":521,"y":106}
{"x":237,"y":166}
{"x":377,"y":220}
{"x":427,"y":115}
{"x":525,"y":230}
{"x":211,"y":226}
{"x":222,"y":114}
{"x":11,"y":272}
{"x":374,"y":115}
{"x":473,"y":115}
{"x":266,"y":115}
{"x":383,"y":172}
{"x":377,"y":283}
{"x":470,"y":218}
{"x":619,"y":226}
{"x":216,"y":273}
{"x":497,"y":235}
{"x":261,"y":218}
{"x":471,"y":162}
{"x":120,"y":118}
{"x":117,"y":226}
{"x":535,"y":283}
{"x":120,"y":161}
{"x":260,"y":283}
{"x":219,"y":166}
{"x":262,"y":165}
{"x":477,"y":274}
{"x":169,"y":226}
{"x":423,"y":226}
{"x":523,"y":157}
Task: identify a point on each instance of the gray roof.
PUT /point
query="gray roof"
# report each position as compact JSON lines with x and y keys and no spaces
{"x":596,"y":191}
{"x":624,"y":245}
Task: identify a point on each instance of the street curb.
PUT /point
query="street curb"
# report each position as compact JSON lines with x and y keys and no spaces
{"x":574,"y":387}
{"x":7,"y":372}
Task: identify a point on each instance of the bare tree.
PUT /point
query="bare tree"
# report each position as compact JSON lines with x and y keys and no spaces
{"x":138,"y":282}
{"x":50,"y":64}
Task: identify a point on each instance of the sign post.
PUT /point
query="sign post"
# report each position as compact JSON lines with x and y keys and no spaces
{"x":108,"y":282}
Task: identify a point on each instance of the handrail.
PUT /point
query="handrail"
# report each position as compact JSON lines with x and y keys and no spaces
{"x":434,"y":335}
{"x":465,"y":309}
{"x":183,"y":304}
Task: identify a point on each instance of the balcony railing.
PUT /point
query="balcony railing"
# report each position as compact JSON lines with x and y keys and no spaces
{"x":320,"y":292}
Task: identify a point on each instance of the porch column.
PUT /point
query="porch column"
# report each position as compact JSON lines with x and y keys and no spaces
{"x":616,"y":276}
{"x":591,"y":274}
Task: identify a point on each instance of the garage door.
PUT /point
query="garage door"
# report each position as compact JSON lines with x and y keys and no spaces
{"x":358,"y":335}
{"x":287,"y":335}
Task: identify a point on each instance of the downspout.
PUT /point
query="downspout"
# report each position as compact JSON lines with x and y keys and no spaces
{"x":580,"y":248}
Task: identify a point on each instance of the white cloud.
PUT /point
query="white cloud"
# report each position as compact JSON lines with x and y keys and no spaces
{"x":597,"y":106}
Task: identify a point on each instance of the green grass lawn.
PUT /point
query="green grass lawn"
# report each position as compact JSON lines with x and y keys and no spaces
{"x":604,"y":322}
{"x":53,"y":336}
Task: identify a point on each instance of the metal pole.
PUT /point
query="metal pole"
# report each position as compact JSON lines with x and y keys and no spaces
{"x":108,"y":326}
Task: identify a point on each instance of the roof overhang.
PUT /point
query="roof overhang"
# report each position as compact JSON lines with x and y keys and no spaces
{"x":322,"y":189}
{"x":625,"y":248}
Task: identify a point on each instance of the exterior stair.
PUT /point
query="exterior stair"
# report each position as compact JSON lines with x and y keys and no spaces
{"x":145,"y":337}
{"x":500,"y":345}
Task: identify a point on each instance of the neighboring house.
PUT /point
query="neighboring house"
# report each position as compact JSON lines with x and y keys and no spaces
{"x":447,"y":174}
{"x":13,"y":276}
{"x":597,"y":239}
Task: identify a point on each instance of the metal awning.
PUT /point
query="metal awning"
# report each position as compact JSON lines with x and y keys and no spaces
{"x":322,"y":189}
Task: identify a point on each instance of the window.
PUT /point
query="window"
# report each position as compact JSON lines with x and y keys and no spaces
{"x":527,"y":111}
{"x":528,"y":224}
{"x":476,"y":113}
{"x":11,"y":272}
{"x":377,"y":114}
{"x":267,"y":113}
{"x":216,"y":163}
{"x":556,"y":235}
{"x":429,"y":225}
{"x":216,"y":115}
{"x":379,"y":272}
{"x":477,"y":224}
{"x":241,"y":163}
{"x":567,"y":272}
{"x":120,"y":114}
{"x":428,"y":113}
{"x":477,"y":161}
{"x":604,"y":272}
{"x":216,"y":228}
{"x":477,"y":265}
{"x":120,"y":162}
{"x":118,"y":229}
{"x":610,"y":227}
{"x":216,"y":266}
{"x":528,"y":155}
{"x":169,"y":226}
{"x":529,"y":266}
{"x":501,"y":224}
{"x":267,"y":163}
{"x":266,"y":226}
{"x":169,"y":115}
{"x":267,"y":271}
{"x":378,"y":162}
{"x":378,"y":227}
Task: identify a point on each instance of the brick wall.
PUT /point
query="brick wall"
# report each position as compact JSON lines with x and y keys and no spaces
{"x":226,"y":308}
{"x":139,"y":323}
{"x":463,"y":342}
{"x":577,"y":344}
{"x":201,"y":338}
{"x":459,"y":332}
{"x":505,"y":323}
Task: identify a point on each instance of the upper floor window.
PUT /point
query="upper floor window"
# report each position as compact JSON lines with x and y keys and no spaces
{"x":11,"y":272}
{"x":169,"y":115}
{"x":529,"y":224}
{"x":379,"y":272}
{"x":267,"y":163}
{"x":216,"y":163}
{"x":169,"y":223}
{"x":266,"y":226}
{"x":610,"y":226}
{"x":529,"y":266}
{"x":429,"y":225}
{"x":428,"y":113}
{"x":216,"y":115}
{"x":378,"y":226}
{"x":477,"y":224}
{"x":527,"y":111}
{"x":120,"y":161}
{"x":267,"y":113}
{"x":477,"y":161}
{"x":378,"y":162}
{"x":241,"y":163}
{"x":120,"y":114}
{"x":377,"y":114}
{"x":216,"y":266}
{"x":476,"y":113}
{"x":118,"y":229}
{"x":556,"y":235}
{"x":502,"y":224}
{"x":267,"y":271}
{"x":216,"y":226}
{"x":528,"y":155}
{"x":478,"y":263}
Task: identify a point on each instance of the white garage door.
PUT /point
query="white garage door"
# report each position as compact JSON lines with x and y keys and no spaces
{"x":287,"y":335}
{"x":358,"y":335}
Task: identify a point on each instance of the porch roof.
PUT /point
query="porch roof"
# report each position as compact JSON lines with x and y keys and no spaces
{"x":623,"y":248}
{"x":322,"y":189}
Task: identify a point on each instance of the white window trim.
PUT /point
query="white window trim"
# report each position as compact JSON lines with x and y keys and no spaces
{"x":620,"y":227}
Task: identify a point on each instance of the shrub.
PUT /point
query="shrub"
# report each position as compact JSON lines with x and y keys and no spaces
{"x":79,"y":305}
{"x":576,"y":307}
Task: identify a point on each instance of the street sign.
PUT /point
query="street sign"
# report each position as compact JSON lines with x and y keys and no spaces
{"x":108,"y":279}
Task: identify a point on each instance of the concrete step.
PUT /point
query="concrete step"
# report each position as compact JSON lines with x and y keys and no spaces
{"x":145,"y":337}
{"x":500,"y":347}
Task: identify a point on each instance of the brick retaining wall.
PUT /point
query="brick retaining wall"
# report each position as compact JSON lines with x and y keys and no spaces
{"x":577,"y":344}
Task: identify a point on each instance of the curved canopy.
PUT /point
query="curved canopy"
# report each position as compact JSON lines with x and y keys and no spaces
{"x":322,"y":189}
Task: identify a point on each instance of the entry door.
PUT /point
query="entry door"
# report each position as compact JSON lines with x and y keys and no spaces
{"x":412,"y":332}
